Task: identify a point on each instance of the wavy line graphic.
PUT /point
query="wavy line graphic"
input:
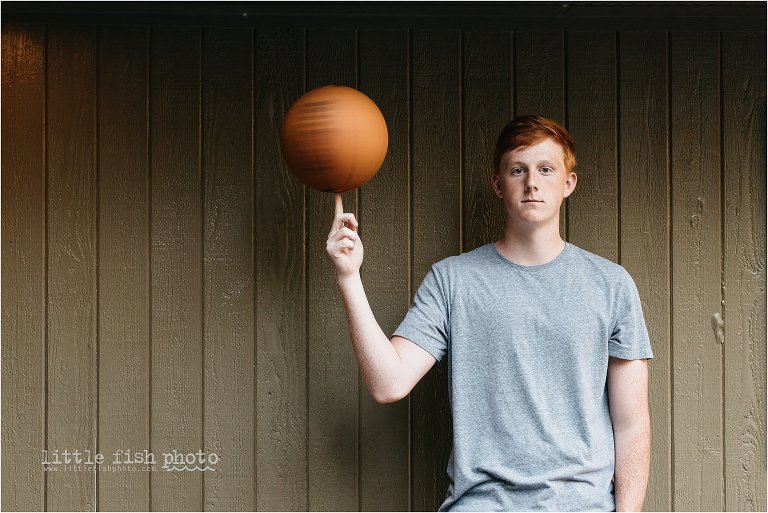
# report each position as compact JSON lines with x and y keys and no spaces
{"x":173,"y":468}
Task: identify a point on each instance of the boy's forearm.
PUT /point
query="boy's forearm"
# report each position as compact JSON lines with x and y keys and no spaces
{"x":378,"y":359}
{"x":633,"y":454}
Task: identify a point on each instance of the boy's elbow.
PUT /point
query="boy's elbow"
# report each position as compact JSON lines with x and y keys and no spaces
{"x":387,"y":398}
{"x":381,"y":399}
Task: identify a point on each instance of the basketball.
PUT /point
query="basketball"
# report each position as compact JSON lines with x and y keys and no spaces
{"x":334,"y":139}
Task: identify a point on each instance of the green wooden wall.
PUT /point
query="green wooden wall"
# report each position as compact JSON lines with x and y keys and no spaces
{"x":164,"y":277}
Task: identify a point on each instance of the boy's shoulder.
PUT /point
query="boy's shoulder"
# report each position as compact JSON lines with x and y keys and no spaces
{"x":595,"y":265}
{"x":595,"y":260}
{"x":469,"y":258}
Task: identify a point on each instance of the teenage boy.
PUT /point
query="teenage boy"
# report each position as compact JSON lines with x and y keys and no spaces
{"x":547,"y":346}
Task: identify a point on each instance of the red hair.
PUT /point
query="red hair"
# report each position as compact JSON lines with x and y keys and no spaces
{"x":527,"y":130}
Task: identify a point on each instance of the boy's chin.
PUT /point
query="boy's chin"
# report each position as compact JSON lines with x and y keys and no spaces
{"x":538,"y":218}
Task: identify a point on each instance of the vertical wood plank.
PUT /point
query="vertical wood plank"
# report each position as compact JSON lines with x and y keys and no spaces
{"x":539,"y":73}
{"x":228,"y":307}
{"x":281,"y":360}
{"x":23,"y":267}
{"x":743,"y":60}
{"x":436,"y":234}
{"x":334,"y":377}
{"x":644,"y":226}
{"x":123,"y":263}
{"x":487,"y":107}
{"x":696,"y":267}
{"x":539,"y":57}
{"x":72,"y":260}
{"x":384,"y":447}
{"x":593,"y":205}
{"x":176,"y":230}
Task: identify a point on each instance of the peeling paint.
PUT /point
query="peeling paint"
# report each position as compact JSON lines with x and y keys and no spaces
{"x":695,"y":218}
{"x":718,"y":326}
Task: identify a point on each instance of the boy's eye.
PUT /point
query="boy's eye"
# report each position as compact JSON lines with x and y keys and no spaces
{"x":517,"y":170}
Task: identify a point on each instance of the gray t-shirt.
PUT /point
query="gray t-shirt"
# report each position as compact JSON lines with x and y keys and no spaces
{"x":528,"y":351}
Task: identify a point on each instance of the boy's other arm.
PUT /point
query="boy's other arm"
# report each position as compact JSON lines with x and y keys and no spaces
{"x":628,"y":402}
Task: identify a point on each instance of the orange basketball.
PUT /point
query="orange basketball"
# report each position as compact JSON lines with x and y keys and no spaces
{"x":334,"y":138}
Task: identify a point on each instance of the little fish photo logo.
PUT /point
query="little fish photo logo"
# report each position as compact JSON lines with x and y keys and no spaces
{"x":128,"y":460}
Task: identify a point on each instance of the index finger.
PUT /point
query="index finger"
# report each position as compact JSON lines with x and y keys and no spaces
{"x":339,"y":207}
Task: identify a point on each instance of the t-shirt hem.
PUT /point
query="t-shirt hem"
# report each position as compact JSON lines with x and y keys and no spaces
{"x":415,"y":337}
{"x":625,"y":355}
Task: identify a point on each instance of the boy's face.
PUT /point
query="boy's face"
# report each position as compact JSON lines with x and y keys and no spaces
{"x":534,"y":173}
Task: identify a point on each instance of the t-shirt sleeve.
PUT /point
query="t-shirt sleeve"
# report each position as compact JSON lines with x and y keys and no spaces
{"x":629,"y":339}
{"x":426,"y":323}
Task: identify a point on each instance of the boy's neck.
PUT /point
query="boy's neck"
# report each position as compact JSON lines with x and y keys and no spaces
{"x":535,"y":247}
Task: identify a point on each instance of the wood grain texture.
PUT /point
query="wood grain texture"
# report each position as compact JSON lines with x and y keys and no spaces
{"x":281,"y":336}
{"x":591,"y":120}
{"x":164,"y":290}
{"x":72,"y":260}
{"x":697,"y":350}
{"x":176,"y":230}
{"x":486,"y":108}
{"x":436,"y":234}
{"x":228,"y":279}
{"x":334,"y":378}
{"x":743,"y":61}
{"x":644,"y":208}
{"x":23,"y":267}
{"x":123,"y":273}
{"x":383,"y":229}
{"x":540,"y":87}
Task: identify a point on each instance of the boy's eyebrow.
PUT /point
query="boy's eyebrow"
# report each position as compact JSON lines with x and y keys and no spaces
{"x":540,"y":162}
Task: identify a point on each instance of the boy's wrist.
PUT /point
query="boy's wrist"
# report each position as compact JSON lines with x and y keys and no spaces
{"x":343,"y":280}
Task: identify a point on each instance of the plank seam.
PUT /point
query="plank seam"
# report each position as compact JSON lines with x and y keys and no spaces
{"x":360,"y":382}
{"x":617,"y":142}
{"x":410,"y":251}
{"x":45,"y":302}
{"x":97,"y":194}
{"x":201,"y":168}
{"x":723,"y":361}
{"x":565,"y":120}
{"x":149,"y":250}
{"x":255,"y":263}
{"x":306,"y":305}
{"x":670,"y":269}
{"x":461,"y":141}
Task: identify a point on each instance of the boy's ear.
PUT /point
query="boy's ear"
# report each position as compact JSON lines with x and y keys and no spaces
{"x":572,"y":179}
{"x":494,"y":184}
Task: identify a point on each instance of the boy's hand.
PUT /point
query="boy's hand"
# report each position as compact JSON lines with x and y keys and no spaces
{"x":343,"y":245}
